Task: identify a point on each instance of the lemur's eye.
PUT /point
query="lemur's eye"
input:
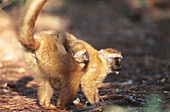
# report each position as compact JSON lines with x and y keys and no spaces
{"x":110,"y":60}
{"x":120,"y":60}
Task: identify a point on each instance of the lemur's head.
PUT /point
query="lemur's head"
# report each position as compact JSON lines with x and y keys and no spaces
{"x":112,"y":59}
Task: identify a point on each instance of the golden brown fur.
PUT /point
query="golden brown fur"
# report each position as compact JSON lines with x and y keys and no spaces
{"x":60,"y":61}
{"x":27,"y":24}
{"x":97,"y":68}
{"x":52,"y":66}
{"x":73,"y":46}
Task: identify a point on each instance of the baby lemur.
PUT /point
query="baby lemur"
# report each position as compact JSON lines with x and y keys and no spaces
{"x":58,"y":60}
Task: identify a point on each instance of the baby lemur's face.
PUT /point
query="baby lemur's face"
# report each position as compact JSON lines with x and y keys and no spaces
{"x":113,"y":59}
{"x":81,"y":56}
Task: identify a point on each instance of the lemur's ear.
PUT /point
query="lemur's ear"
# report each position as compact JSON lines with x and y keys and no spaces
{"x":101,"y":51}
{"x":101,"y":54}
{"x":120,"y":52}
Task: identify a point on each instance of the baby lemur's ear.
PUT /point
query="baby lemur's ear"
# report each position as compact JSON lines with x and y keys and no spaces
{"x":62,"y":36}
{"x":66,"y":38}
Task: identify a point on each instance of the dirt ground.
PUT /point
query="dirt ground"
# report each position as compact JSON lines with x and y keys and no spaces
{"x":140,"y":29}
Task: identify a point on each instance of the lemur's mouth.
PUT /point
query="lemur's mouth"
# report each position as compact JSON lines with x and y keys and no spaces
{"x":116,"y":72}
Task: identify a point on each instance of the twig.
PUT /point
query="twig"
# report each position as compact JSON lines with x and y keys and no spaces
{"x":109,"y":100}
{"x":127,"y":98}
{"x":109,"y":85}
{"x":99,"y":96}
{"x":96,"y":107}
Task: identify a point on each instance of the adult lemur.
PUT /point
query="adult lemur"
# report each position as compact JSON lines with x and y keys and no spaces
{"x":58,"y":60}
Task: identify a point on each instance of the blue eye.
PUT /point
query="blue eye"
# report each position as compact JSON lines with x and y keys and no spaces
{"x":120,"y":60}
{"x":110,"y":60}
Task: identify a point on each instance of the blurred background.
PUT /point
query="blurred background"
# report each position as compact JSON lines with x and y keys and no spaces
{"x":140,"y":29}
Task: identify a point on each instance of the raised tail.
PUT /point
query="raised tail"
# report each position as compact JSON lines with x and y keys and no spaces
{"x":27,"y":23}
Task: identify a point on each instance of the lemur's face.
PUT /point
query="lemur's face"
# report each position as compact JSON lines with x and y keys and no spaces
{"x":113,"y":58}
{"x":115,"y":63}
